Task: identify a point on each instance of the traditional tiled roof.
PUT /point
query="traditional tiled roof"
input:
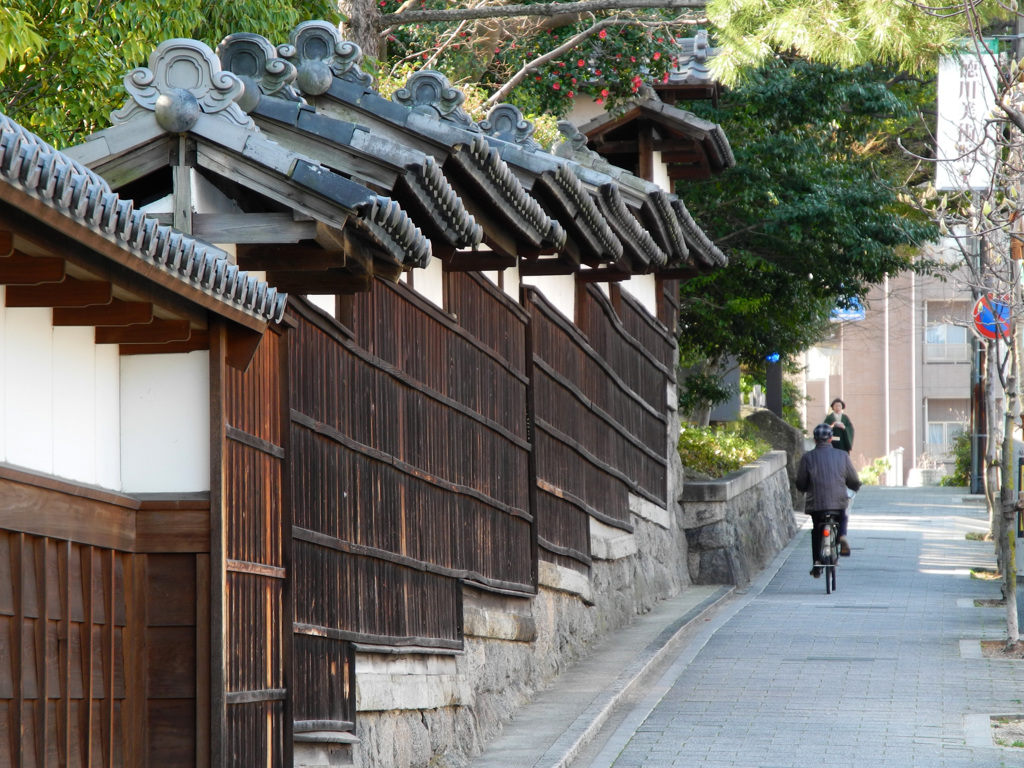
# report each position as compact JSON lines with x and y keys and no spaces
{"x":699,"y":243}
{"x":424,"y":179}
{"x":185,"y":91}
{"x":26,"y":161}
{"x":690,"y":63}
{"x":637,"y":240}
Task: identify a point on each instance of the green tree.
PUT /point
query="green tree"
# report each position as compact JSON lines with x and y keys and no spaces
{"x":62,"y":64}
{"x":811,"y":216}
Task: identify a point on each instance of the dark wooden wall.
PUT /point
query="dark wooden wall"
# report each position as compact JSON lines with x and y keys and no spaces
{"x":251,"y":706}
{"x":409,"y":475}
{"x":599,"y":414}
{"x":103,"y":627}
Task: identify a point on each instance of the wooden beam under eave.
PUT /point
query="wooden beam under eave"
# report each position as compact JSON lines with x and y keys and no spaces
{"x":293,"y":258}
{"x":115,"y":313}
{"x":6,"y":242}
{"x":474,"y":261}
{"x":678,"y":273}
{"x":247,"y":228}
{"x":156,"y":332}
{"x":240,"y":346}
{"x":69,"y":293}
{"x":332,"y":281}
{"x":546,"y":267}
{"x":602,"y":275}
{"x":19,"y":269}
{"x":199,"y":340}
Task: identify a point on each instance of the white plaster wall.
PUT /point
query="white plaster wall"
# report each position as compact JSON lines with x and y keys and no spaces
{"x":661,"y":177}
{"x":643,"y":288}
{"x":74,"y":395}
{"x":327,"y":302}
{"x":560,"y":290}
{"x":429,"y":282}
{"x":60,"y":400}
{"x":28,"y":384}
{"x":165,"y":417}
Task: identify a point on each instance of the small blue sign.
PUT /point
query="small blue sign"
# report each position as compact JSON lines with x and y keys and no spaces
{"x":851,"y":313}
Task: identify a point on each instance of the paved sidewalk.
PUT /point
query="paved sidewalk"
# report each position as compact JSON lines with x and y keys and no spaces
{"x":886,"y":673}
{"x":559,"y":722}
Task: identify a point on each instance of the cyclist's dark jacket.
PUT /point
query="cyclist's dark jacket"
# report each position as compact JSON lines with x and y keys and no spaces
{"x":824,"y":475}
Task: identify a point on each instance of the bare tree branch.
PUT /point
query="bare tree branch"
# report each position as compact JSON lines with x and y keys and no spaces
{"x":554,"y":53}
{"x":541,"y":9}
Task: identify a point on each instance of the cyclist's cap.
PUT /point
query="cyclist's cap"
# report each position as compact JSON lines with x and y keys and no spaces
{"x":822,"y":433}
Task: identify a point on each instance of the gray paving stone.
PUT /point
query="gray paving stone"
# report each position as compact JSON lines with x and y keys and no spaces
{"x":884,"y":656}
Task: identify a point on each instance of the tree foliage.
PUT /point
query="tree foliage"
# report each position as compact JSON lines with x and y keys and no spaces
{"x":62,"y":64}
{"x":906,"y":36}
{"x":810,"y":216}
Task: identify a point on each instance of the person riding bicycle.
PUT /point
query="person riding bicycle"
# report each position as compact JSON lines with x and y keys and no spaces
{"x":824,"y":475}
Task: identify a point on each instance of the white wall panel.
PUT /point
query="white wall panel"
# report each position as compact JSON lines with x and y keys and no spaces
{"x":74,"y":403}
{"x":643,"y":288}
{"x":107,"y":437}
{"x":165,"y":417}
{"x":28,"y":381}
{"x":560,"y":290}
{"x":429,"y":282}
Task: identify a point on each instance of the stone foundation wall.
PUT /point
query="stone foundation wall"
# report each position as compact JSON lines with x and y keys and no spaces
{"x":430,"y":710}
{"x":736,"y":525}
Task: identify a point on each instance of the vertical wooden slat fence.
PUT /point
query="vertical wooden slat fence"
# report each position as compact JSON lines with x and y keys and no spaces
{"x":63,"y":694}
{"x":409,"y":474}
{"x":600,"y":424}
{"x":255,"y":718}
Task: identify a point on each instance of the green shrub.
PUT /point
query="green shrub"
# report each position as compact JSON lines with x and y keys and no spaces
{"x":870,"y":474}
{"x":961,"y":462}
{"x":718,"y":450}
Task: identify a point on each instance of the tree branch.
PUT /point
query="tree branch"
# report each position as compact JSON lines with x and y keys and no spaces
{"x":541,"y":9}
{"x":540,"y":61}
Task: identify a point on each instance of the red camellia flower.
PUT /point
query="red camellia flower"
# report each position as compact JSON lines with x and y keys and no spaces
{"x":556,"y":86}
{"x":569,"y":94}
{"x":657,"y":55}
{"x":580,"y":63}
{"x":600,"y":101}
{"x":603,"y":34}
{"x":604,"y":91}
{"x":664,"y":78}
{"x":597,"y":72}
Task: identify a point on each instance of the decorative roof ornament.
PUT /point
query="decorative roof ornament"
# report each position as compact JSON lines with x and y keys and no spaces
{"x":574,"y":141}
{"x":428,"y":92}
{"x":183,"y":81}
{"x":506,"y":122}
{"x":319,"y":53}
{"x":254,"y":59}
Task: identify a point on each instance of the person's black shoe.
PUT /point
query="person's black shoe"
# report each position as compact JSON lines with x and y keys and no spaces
{"x":816,"y":571}
{"x":844,"y":546}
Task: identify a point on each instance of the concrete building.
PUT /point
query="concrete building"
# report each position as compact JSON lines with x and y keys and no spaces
{"x":904,"y":371}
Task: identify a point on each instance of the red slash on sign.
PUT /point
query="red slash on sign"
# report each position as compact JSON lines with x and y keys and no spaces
{"x":992,"y":317}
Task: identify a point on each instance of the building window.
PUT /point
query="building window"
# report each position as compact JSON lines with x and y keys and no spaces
{"x":946,"y":339}
{"x":941,"y":435}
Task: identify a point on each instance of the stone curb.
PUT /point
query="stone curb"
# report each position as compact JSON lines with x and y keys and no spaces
{"x":568,"y":746}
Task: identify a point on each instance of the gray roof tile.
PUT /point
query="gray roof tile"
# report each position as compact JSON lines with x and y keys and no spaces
{"x":31,"y":164}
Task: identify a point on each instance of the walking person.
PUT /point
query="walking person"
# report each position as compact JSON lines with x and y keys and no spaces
{"x":842,"y":427}
{"x":825,"y":474}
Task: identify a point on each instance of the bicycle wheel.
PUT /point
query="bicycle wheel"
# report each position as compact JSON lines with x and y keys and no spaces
{"x":834,"y":540}
{"x":829,"y":555}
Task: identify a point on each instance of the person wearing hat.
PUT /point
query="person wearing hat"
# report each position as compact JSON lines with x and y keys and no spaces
{"x":842,"y":427}
{"x":825,"y":474}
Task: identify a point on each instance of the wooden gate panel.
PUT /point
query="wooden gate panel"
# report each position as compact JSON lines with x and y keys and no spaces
{"x":252,"y":709}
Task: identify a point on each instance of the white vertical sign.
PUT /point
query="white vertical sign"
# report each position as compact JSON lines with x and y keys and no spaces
{"x":966,"y":102}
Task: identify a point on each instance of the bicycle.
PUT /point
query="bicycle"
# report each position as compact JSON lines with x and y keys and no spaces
{"x":829,"y":555}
